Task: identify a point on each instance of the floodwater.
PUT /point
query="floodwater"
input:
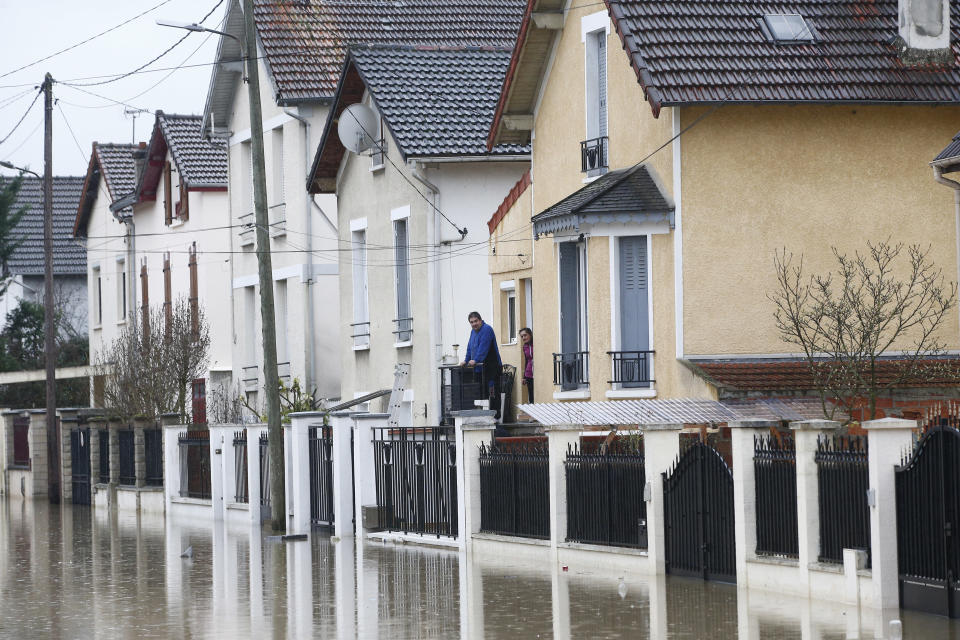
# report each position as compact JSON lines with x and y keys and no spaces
{"x":70,"y":572}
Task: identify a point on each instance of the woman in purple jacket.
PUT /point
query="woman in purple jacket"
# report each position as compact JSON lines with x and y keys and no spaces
{"x":526,"y":344}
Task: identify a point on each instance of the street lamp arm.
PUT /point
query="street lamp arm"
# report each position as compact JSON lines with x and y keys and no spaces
{"x":10,"y":165}
{"x":193,"y":26}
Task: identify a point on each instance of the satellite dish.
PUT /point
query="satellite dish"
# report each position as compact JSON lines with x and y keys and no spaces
{"x":358,"y":124}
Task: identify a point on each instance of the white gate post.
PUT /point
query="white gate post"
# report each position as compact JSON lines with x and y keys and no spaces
{"x":472,"y":429}
{"x":299,"y":456}
{"x":559,"y":439}
{"x":253,"y":472}
{"x":742,"y":434}
{"x":661,"y":446}
{"x":217,"y":446}
{"x":171,"y":462}
{"x":341,"y":429}
{"x":886,"y":440}
{"x":806,"y":433}
{"x":364,"y":478}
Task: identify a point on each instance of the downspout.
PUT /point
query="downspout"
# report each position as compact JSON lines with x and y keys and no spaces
{"x":309,"y":372}
{"x":131,"y":261}
{"x":433,"y":287}
{"x":953,"y":184}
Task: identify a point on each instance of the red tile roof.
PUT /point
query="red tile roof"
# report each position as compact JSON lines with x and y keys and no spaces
{"x":509,"y":201}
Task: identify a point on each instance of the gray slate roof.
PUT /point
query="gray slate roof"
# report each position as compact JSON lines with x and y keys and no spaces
{"x":69,"y":257}
{"x":622,"y":195}
{"x":950,"y":155}
{"x":697,"y":51}
{"x":199,"y":161}
{"x":305,"y":42}
{"x":436,"y":102}
{"x":119,"y":169}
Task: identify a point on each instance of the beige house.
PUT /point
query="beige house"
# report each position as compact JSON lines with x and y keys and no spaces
{"x":677,"y":147}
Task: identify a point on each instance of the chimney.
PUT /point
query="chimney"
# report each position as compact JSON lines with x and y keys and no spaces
{"x":924,"y":36}
{"x":140,"y":157}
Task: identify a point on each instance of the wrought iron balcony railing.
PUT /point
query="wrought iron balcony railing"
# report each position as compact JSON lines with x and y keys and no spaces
{"x":571,"y":370}
{"x":404,"y":330}
{"x":593,"y":156}
{"x":632,"y":368}
{"x":360,"y":332}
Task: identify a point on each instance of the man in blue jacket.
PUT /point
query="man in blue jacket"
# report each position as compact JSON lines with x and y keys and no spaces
{"x":482,"y":349}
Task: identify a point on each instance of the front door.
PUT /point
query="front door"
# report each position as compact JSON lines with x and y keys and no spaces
{"x":80,"y":465}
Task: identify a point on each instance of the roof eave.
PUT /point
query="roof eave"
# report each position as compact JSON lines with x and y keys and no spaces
{"x":313,"y":186}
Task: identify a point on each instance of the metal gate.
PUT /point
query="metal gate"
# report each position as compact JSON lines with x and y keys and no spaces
{"x":321,"y":476}
{"x":698,"y":516}
{"x":928,"y":514}
{"x":80,"y":465}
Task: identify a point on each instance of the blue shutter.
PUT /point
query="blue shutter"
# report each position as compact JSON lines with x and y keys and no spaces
{"x":634,"y":308}
{"x":569,"y":310}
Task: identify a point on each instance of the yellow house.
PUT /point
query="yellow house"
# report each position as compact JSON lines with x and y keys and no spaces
{"x":676,"y":147}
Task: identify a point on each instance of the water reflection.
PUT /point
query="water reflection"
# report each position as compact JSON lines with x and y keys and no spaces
{"x":75,"y":573}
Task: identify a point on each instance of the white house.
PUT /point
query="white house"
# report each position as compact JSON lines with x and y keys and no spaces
{"x":301,"y":48}
{"x":157,"y":228}
{"x":412,"y":212}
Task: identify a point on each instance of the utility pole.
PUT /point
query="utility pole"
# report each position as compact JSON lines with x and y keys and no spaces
{"x":265,"y":268}
{"x":49,"y":330}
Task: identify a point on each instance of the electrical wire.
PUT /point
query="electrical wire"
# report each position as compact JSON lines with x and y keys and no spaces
{"x":94,"y":37}
{"x":23,"y":117}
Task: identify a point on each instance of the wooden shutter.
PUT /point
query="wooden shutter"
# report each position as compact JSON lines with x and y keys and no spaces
{"x":167,"y":194}
{"x":184,"y":212}
{"x":194,"y":294}
{"x":145,"y":301}
{"x":167,"y":297}
{"x":199,"y":397}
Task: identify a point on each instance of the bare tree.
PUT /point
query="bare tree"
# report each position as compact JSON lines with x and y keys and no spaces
{"x":148,"y":373}
{"x":871,"y":326}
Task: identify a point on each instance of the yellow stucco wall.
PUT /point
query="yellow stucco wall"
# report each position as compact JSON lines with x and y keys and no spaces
{"x":758,"y":179}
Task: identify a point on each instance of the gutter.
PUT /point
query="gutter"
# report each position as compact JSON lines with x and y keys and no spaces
{"x":515,"y":157}
{"x":953,"y":184}
{"x":309,"y":371}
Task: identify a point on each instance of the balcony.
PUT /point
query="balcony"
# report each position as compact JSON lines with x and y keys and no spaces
{"x":360,"y":332}
{"x":404,"y":331}
{"x":571,"y":370}
{"x":283,"y":372}
{"x":247,"y":230}
{"x":593,"y":156}
{"x":249,"y":376}
{"x":277,"y":219}
{"x":632,"y":369}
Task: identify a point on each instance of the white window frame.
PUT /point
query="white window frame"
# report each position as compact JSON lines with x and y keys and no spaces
{"x":361,"y":297}
{"x":121,"y":290}
{"x":510,"y":328}
{"x":590,"y":26}
{"x":401,"y":215}
{"x":97,"y":278}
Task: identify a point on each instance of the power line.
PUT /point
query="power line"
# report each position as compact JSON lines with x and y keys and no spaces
{"x":23,"y":117}
{"x":94,"y":37}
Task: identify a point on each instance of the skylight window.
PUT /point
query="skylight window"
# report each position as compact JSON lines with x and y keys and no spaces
{"x":787,"y":27}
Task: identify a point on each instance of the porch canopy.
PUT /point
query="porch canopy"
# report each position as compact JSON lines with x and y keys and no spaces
{"x":672,"y":411}
{"x":630,"y":195}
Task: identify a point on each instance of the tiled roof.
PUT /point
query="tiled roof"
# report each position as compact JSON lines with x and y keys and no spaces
{"x":119,"y":169}
{"x":950,"y":153}
{"x":305,"y":42}
{"x":701,"y":51}
{"x":69,"y":257}
{"x":201,"y":162}
{"x":795,"y":375}
{"x":624,"y":192}
{"x":511,"y":199}
{"x":434,"y":101}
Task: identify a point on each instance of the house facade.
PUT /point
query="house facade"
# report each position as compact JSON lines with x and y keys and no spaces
{"x":666,"y":173}
{"x":301,"y":48}
{"x":412,"y":210}
{"x":155,"y":221}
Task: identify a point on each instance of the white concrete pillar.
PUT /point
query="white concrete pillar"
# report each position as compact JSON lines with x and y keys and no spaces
{"x":561,"y":596}
{"x":345,"y":587}
{"x":288,"y":479}
{"x":364,"y":471}
{"x":472,"y":429}
{"x":886,"y":440}
{"x":341,"y":429}
{"x":559,"y":439}
{"x":229,"y":464}
{"x":805,"y":436}
{"x":661,"y":446}
{"x":171,"y":462}
{"x":742,"y":434}
{"x":298,"y":491}
{"x":217,"y":445}
{"x":253,"y":472}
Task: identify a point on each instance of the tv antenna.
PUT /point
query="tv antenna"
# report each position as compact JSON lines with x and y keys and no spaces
{"x":127,"y":111}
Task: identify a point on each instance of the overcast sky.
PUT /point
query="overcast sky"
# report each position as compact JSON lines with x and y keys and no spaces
{"x":38,"y":28}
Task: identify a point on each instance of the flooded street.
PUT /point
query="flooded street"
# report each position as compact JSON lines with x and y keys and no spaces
{"x":72,"y":572}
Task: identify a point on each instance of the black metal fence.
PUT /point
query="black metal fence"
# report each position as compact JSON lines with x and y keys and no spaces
{"x":195,"y":464}
{"x":460,"y":387}
{"x":632,"y":368}
{"x":127,"y":465}
{"x":515,"y":490}
{"x":775,"y":482}
{"x":104,"y":436}
{"x":153,"y":457}
{"x":321,"y":475}
{"x":843,"y":480}
{"x":571,"y":370}
{"x":605,"y":502}
{"x":241,"y":483}
{"x":416,"y":480}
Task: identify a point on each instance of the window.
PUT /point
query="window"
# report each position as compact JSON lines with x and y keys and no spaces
{"x":594,"y":149}
{"x":98,"y":297}
{"x":632,"y":363}
{"x":280,"y":288}
{"x":508,"y":312}
{"x":571,"y":365}
{"x":404,"y":320}
{"x":167,"y":194}
{"x":361,"y":305}
{"x":379,"y":147}
{"x":787,"y":28}
{"x":276,"y":148}
{"x":512,"y":316}
{"x":250,"y":325}
{"x":527,"y":285}
{"x":121,"y":289}
{"x":246,"y":164}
